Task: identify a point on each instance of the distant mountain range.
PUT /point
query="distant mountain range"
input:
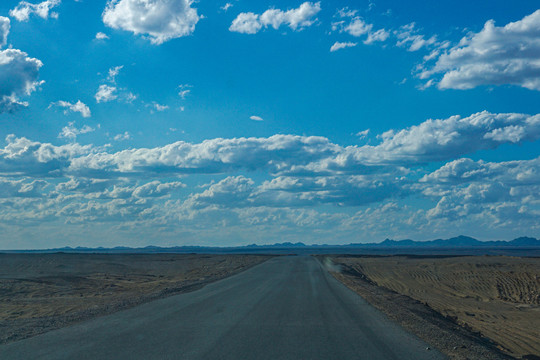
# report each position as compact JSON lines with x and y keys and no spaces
{"x":459,"y":242}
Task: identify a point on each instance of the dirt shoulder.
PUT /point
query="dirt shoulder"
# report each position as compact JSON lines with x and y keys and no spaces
{"x":43,"y":292}
{"x":445,"y":332}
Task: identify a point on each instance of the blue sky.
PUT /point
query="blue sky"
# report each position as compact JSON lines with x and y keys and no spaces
{"x":170,"y":122}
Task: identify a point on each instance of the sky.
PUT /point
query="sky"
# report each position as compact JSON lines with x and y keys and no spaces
{"x":215,"y":123}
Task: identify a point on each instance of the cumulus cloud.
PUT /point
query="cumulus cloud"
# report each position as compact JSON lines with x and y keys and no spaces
{"x":348,"y":190}
{"x":436,"y":140}
{"x":232,"y":191}
{"x":71,"y":132}
{"x":21,"y":188}
{"x":356,"y":26}
{"x":101,"y":36}
{"x":342,"y":45}
{"x":106,"y":93}
{"x":301,"y":177}
{"x":256,"y":118}
{"x":24,"y":9}
{"x":226,"y":7}
{"x":23,"y":157}
{"x":430,"y":141}
{"x":296,"y":19}
{"x":113,"y":73}
{"x":18,"y":77}
{"x":375,"y":36}
{"x":159,"y":20}
{"x":79,"y":107}
{"x":409,"y":38}
{"x":4,"y":30}
{"x":465,"y":187}
{"x":121,"y":137}
{"x":493,"y":56}
{"x":362,"y":134}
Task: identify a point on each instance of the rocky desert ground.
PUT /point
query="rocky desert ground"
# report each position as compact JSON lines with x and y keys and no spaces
{"x":494,"y":297}
{"x":41,"y":292}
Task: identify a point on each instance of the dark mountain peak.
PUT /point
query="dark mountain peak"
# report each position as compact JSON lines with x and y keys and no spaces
{"x":525,"y":241}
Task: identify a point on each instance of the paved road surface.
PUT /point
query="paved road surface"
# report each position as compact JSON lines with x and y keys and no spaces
{"x":285,"y":308}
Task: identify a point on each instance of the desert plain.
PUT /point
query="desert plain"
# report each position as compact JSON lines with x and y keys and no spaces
{"x":42,"y":292}
{"x":496,"y":297}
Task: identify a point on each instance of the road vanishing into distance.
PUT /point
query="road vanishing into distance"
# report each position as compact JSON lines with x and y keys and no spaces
{"x":288,"y":307}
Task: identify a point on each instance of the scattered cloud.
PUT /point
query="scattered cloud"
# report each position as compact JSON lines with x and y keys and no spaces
{"x":342,"y":45}
{"x":75,"y":184}
{"x":106,"y":93}
{"x":159,"y":107}
{"x":184,"y":90}
{"x":493,"y":56}
{"x":158,"y":20}
{"x":375,"y":36}
{"x":256,"y":118}
{"x":113,"y":73}
{"x":296,"y":19}
{"x":290,"y":155}
{"x":227,"y":6}
{"x":71,"y":132}
{"x":79,"y":107}
{"x":4,"y":30}
{"x":18,"y":77}
{"x":409,"y":38}
{"x":121,"y":137}
{"x":101,"y":36}
{"x":24,"y":9}
{"x":356,"y":26}
{"x":362,"y":134}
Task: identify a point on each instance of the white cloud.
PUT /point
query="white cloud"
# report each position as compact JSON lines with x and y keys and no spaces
{"x":159,"y":107}
{"x":79,"y":107}
{"x":226,"y":7}
{"x":256,"y":118}
{"x":493,"y":56}
{"x":18,"y":77}
{"x":106,"y":93}
{"x":121,"y":137}
{"x":4,"y":30}
{"x":289,"y":155}
{"x":464,"y":187}
{"x":24,"y":9}
{"x":21,"y":188}
{"x":357,"y":27}
{"x":233,"y":190}
{"x":379,"y":35}
{"x":250,"y":23}
{"x":101,"y":36}
{"x":436,"y":140}
{"x":246,"y":23}
{"x":71,"y":132}
{"x":342,"y":45}
{"x":362,"y":134}
{"x":409,"y":37}
{"x":113,"y":73}
{"x":346,"y":12}
{"x":184,"y":90}
{"x":161,"y":20}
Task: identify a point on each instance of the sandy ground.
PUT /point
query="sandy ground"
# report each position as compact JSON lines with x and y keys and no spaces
{"x":495,"y":296}
{"x":42,"y":292}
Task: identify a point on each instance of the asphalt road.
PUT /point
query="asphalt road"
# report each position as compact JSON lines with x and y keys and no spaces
{"x":285,"y":308}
